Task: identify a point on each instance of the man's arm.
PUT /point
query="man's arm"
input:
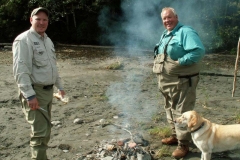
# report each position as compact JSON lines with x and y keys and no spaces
{"x":194,"y":47}
{"x":22,"y":66}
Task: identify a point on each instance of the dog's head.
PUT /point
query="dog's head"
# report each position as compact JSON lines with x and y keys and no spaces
{"x":189,"y":119}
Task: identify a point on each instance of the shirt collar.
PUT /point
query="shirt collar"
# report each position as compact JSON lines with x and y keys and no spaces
{"x":174,"y":30}
{"x":38,"y":35}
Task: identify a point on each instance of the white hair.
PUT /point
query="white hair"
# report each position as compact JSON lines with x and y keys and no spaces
{"x":169,"y":8}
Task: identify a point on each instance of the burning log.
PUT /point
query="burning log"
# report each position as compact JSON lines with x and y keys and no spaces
{"x":236,"y":69}
{"x":112,"y":151}
{"x":123,"y":149}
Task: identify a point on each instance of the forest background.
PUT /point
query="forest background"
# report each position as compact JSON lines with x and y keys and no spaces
{"x":128,"y":23}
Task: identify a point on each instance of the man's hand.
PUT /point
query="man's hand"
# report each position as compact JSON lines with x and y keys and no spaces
{"x":61,"y":93}
{"x":33,"y":104}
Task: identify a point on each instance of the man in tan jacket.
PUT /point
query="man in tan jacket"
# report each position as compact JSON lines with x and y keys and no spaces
{"x":35,"y":72}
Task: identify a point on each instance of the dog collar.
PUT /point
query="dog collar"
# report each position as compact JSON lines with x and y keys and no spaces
{"x":198,"y":128}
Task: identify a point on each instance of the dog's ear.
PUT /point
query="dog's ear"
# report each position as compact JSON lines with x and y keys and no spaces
{"x":192,"y":121}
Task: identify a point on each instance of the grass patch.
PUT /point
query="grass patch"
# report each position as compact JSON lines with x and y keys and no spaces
{"x":115,"y":66}
{"x":157,"y":118}
{"x":238,"y":119}
{"x":163,"y":152}
{"x":102,"y":98}
{"x":161,"y":131}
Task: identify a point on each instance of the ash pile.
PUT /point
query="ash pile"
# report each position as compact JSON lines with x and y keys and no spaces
{"x":134,"y":148}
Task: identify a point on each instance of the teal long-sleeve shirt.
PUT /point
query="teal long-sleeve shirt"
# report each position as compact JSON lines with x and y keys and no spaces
{"x":185,"y":45}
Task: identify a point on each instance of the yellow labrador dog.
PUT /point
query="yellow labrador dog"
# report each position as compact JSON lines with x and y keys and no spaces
{"x":210,"y":137}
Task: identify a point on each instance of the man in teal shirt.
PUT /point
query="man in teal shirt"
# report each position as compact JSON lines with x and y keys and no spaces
{"x":179,"y":51}
{"x":185,"y":46}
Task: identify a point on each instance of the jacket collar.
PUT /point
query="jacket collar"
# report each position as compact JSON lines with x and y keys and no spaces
{"x":176,"y":28}
{"x":38,"y":35}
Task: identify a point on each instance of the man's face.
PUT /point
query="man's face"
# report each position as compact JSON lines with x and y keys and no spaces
{"x":39,"y":22}
{"x":169,"y":19}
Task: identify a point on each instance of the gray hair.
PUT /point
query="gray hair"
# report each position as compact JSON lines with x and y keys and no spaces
{"x":169,"y":8}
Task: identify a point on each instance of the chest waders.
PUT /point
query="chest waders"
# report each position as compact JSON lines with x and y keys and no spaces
{"x":178,"y":85}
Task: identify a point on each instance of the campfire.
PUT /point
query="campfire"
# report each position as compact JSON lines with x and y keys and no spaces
{"x":133,"y":148}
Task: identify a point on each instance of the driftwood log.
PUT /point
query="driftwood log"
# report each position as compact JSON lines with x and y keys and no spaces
{"x":236,"y":68}
{"x":7,"y":46}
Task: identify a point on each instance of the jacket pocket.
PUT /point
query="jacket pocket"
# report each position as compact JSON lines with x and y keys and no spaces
{"x":40,"y":58}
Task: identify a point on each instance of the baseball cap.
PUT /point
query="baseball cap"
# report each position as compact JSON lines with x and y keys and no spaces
{"x":36,"y":10}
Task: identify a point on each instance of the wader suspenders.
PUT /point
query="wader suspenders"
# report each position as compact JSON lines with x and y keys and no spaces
{"x":165,"y":48}
{"x":165,"y":56}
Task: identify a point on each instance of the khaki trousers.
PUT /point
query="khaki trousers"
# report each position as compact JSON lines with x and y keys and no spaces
{"x":179,"y":97}
{"x":40,"y":122}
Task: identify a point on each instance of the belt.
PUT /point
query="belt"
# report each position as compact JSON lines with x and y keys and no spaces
{"x":47,"y":87}
{"x":189,"y":78}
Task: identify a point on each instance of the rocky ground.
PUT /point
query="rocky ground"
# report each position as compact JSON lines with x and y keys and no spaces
{"x":112,"y":104}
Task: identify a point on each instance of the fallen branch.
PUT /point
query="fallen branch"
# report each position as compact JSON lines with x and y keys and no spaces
{"x":123,"y":129}
{"x":216,"y":74}
{"x":236,"y":69}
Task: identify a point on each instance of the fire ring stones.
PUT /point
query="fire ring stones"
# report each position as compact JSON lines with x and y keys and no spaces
{"x":64,"y":147}
{"x":78,"y":121}
{"x":56,"y":123}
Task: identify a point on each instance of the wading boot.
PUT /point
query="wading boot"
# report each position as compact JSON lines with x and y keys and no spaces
{"x":170,"y":140}
{"x":181,"y":151}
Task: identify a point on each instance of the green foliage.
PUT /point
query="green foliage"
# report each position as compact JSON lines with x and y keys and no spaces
{"x":77,"y":21}
{"x":229,"y":35}
{"x":10,"y":18}
{"x":87,"y":31}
